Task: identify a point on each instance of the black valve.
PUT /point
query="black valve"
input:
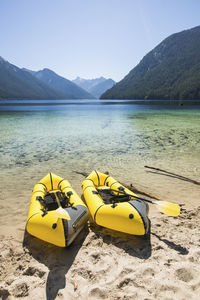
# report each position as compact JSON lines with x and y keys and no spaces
{"x":54,"y":225}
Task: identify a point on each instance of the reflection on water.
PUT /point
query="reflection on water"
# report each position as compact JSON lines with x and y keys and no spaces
{"x":119,"y":137}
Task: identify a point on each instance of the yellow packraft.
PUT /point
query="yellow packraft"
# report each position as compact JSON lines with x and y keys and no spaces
{"x":56,"y":213}
{"x":121,"y":212}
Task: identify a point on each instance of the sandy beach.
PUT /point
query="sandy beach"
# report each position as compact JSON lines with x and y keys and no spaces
{"x":103,"y":264}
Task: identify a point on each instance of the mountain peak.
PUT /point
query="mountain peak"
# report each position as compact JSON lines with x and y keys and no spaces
{"x":69,"y":89}
{"x":47,"y":71}
{"x":2,"y":60}
{"x":95,"y":86}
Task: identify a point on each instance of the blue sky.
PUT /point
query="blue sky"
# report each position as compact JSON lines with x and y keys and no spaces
{"x":89,"y":38}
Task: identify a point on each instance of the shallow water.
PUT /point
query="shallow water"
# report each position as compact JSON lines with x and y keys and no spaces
{"x":82,"y":135}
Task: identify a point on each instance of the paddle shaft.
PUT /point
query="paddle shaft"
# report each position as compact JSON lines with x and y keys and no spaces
{"x":168,"y":208}
{"x":133,"y":196}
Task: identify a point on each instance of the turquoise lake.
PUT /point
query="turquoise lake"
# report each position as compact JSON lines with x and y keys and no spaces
{"x":37,"y":137}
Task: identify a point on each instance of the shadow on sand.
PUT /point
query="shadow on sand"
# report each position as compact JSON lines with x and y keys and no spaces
{"x":58,"y":260}
{"x":177,"y":247}
{"x":137,"y":246}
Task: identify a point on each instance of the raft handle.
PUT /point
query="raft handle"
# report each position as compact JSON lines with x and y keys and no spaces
{"x":44,"y":210}
{"x":95,"y":192}
{"x":41,"y":200}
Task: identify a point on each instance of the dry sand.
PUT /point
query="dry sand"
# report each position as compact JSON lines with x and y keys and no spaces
{"x":103,"y":264}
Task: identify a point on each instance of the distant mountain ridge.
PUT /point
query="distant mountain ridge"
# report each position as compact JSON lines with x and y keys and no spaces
{"x":95,"y":86}
{"x":88,"y":83}
{"x":69,"y":89}
{"x":16,"y":83}
{"x":170,"y":71}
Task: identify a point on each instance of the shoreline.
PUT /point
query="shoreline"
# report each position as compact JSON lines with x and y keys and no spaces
{"x":47,"y":102}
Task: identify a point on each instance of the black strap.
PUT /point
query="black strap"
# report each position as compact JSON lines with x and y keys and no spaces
{"x":111,"y":198}
{"x":45,"y":211}
{"x":97,"y":211}
{"x":97,"y":177}
{"x":66,"y":198}
{"x":60,"y":183}
{"x":41,"y":200}
{"x":51,"y":181}
{"x":113,"y":183}
{"x":43,"y":185}
{"x":106,"y":179}
{"x":88,"y":187}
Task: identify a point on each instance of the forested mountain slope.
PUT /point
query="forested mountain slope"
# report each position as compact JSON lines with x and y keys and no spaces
{"x":170,"y":71}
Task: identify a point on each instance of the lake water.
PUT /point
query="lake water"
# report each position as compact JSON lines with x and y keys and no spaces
{"x":37,"y":137}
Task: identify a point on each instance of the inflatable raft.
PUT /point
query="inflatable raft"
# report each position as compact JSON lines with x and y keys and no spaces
{"x":110,"y":206}
{"x":56,"y":213}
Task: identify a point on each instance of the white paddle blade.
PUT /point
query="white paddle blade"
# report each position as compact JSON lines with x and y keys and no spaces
{"x":62,"y":213}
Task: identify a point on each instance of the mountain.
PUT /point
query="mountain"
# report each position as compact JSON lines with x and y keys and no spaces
{"x":16,"y":83}
{"x":95,"y":86}
{"x":170,"y":71}
{"x":88,"y":83}
{"x":69,"y":89}
{"x":101,"y":87}
{"x":30,"y":71}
